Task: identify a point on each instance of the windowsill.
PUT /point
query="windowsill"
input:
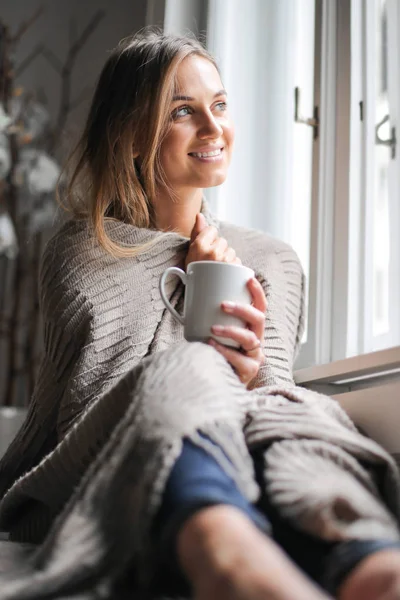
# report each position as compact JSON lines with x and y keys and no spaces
{"x":368,"y":388}
{"x":365,"y":370}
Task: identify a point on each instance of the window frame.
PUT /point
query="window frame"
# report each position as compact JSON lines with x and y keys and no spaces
{"x":317,"y":348}
{"x":371,"y":342}
{"x":340,"y":277}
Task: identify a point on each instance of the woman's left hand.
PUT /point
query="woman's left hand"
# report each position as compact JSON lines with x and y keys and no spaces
{"x":247,"y":360}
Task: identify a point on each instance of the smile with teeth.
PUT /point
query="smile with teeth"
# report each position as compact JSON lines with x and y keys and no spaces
{"x":207,"y":154}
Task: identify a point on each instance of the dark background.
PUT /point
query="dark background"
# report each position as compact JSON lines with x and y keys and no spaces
{"x":40,"y":52}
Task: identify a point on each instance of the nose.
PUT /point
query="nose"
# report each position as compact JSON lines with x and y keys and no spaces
{"x":209,"y":127}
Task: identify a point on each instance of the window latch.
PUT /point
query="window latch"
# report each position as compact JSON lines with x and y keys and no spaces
{"x":391,"y":142}
{"x":311,"y":122}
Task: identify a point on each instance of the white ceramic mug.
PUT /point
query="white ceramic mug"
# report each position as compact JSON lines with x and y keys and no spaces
{"x":209,"y":283}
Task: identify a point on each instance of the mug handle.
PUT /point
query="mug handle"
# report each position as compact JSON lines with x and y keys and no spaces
{"x":182,"y":276}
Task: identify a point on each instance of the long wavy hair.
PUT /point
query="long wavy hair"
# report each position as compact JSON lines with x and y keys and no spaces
{"x":129,"y":116}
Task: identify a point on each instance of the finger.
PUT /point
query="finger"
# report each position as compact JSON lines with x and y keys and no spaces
{"x":206,"y":237}
{"x":254,"y":318}
{"x":246,"y":367}
{"x":256,"y":290}
{"x":246,"y":338}
{"x":219,"y":248}
{"x":199,"y":224}
{"x":230,"y":256}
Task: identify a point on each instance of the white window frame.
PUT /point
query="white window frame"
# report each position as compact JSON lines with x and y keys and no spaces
{"x":346,"y":255}
{"x":335,"y":276}
{"x":317,"y":348}
{"x":369,"y":342}
{"x":340,"y":278}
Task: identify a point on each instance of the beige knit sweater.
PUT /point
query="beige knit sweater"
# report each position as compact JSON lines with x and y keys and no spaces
{"x":119,"y":388}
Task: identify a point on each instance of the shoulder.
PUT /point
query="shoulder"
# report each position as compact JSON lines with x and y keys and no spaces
{"x":73,"y":255}
{"x":74,"y":268}
{"x":254,"y":246}
{"x":78,"y":274}
{"x":74,"y":241}
{"x":63,"y":299}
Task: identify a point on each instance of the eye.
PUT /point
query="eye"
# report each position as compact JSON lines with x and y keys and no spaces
{"x":182,"y":111}
{"x":221,"y":106}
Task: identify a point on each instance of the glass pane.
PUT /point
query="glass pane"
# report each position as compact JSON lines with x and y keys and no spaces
{"x":269,"y":182}
{"x":303,"y":136}
{"x":381,"y":229}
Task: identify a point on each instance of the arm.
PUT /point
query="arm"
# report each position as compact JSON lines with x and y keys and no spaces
{"x":62,"y":343}
{"x":278,"y":270}
{"x":283,"y":281}
{"x":295,"y":306}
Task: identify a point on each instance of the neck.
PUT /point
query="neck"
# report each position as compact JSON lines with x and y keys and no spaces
{"x":179,"y":213}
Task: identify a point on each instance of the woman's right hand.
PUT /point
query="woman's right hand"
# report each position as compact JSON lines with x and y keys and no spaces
{"x":205,"y":244}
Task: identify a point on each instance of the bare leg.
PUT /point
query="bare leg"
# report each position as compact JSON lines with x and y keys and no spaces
{"x":377,"y":577}
{"x":226,"y":557}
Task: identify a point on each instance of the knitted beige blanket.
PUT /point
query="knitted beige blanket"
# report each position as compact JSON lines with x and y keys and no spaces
{"x":119,"y":389}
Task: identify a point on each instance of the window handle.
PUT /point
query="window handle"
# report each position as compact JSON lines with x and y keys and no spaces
{"x":313,"y":122}
{"x":391,"y":142}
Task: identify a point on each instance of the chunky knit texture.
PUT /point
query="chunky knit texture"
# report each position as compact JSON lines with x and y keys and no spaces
{"x":119,"y":389}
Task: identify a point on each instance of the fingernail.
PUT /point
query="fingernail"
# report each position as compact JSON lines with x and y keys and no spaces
{"x":228,"y":305}
{"x":217,"y":328}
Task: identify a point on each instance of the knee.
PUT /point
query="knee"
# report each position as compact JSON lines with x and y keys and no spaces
{"x":194,"y":351}
{"x":192,"y":361}
{"x":376,"y":577}
{"x":186,"y":380}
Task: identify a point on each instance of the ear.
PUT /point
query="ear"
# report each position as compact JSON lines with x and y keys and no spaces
{"x":135,"y":155}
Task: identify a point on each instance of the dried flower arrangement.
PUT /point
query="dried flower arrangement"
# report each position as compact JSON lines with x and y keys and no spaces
{"x":29,"y":172}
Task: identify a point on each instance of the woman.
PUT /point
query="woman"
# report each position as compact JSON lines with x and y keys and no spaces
{"x":147,"y":463}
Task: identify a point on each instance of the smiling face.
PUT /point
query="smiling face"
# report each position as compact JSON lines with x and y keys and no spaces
{"x":197,"y":149}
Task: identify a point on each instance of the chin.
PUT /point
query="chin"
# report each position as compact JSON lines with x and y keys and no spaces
{"x":216,"y":179}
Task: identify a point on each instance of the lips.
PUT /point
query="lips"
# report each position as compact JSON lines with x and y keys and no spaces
{"x":207,"y":154}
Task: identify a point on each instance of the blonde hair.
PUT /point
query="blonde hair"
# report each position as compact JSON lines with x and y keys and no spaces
{"x":129,"y":115}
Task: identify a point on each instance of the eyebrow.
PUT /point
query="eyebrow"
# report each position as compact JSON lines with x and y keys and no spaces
{"x":190,"y":99}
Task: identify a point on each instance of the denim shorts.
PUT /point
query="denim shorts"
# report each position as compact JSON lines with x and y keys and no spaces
{"x":197,"y":481}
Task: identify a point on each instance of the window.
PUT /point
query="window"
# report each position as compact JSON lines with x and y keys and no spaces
{"x":355,"y":253}
{"x":304,"y":134}
{"x":269,"y":186}
{"x":382,"y":193}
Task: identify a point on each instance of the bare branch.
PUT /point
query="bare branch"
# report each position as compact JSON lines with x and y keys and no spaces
{"x":25,"y":25}
{"x":65,"y":101}
{"x":86,"y":33}
{"x":31,"y":57}
{"x":47,"y":54}
{"x":73,"y":31}
{"x":81,"y":97}
{"x":6,"y":72}
{"x":53,"y":59}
